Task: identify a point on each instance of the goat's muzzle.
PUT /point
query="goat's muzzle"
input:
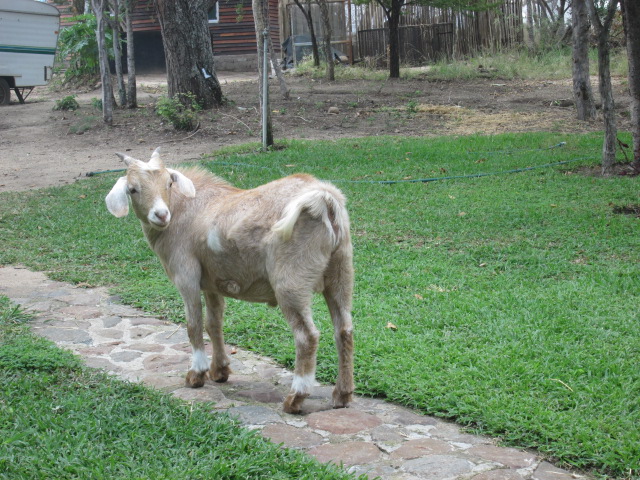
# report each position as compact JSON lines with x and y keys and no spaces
{"x":159,"y":217}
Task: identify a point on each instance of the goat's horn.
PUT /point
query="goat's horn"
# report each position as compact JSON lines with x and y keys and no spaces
{"x":126,"y":158}
{"x":156,"y":161}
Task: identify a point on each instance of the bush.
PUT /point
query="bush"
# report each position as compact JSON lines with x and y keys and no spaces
{"x":181,"y":110}
{"x":96,"y":103}
{"x":78,"y":48}
{"x":67,"y":103}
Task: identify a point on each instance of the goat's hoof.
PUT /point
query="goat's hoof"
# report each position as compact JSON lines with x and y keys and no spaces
{"x":342,"y":399}
{"x":195,"y":379}
{"x":220,"y":375}
{"x":293,"y":402}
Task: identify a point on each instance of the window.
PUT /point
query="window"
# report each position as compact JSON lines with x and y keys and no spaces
{"x":213,"y":14}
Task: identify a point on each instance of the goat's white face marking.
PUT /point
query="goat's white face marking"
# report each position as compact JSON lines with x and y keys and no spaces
{"x":159,"y":215}
{"x":213,"y":240}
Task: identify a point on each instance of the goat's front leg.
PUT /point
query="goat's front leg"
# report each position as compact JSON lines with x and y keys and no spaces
{"x":193,"y":308}
{"x":219,"y":371}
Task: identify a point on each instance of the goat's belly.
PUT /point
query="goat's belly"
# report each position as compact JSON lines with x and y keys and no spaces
{"x":259,"y":291}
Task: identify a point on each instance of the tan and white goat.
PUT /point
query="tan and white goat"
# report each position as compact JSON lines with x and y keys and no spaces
{"x":277,"y":244}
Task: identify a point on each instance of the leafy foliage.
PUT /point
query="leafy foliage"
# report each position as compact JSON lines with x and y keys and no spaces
{"x":181,"y":110}
{"x":78,"y":47}
{"x":68,"y":103}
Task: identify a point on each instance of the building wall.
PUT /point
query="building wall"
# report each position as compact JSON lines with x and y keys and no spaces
{"x":233,"y":36}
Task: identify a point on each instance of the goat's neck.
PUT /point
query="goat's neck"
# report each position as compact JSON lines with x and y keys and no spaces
{"x":151,"y":234}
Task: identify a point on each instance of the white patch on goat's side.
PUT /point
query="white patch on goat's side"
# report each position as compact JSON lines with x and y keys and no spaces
{"x":199,"y":361}
{"x":302,"y":384}
{"x":213,"y":240}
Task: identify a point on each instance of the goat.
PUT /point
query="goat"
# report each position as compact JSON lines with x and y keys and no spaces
{"x":276,"y":244}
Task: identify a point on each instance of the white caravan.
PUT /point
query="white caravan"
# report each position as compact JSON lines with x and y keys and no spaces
{"x":28,"y":38}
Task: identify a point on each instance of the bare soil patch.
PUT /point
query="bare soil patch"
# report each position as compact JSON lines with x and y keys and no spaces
{"x":40,"y":147}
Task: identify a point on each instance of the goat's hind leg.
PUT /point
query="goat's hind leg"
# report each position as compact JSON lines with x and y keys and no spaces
{"x":298,"y":313}
{"x":220,"y":370}
{"x":338,"y":294}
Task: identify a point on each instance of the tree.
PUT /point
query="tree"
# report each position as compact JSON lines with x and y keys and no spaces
{"x":99,"y":9}
{"x":582,"y":91}
{"x":631,"y":15}
{"x":132,"y":94}
{"x":314,"y":42}
{"x":262,"y":36}
{"x":602,"y":27}
{"x":326,"y":22}
{"x":393,"y":10}
{"x":188,"y":50}
{"x":114,"y":22}
{"x":530,"y":28}
{"x":261,"y":20}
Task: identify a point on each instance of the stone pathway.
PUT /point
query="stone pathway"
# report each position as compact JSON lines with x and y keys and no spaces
{"x":372,"y":436}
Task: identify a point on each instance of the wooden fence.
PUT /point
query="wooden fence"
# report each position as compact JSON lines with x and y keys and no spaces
{"x":419,"y":44}
{"x":431,"y":33}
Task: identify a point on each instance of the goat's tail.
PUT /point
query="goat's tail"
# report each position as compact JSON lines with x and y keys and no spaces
{"x":326,"y":204}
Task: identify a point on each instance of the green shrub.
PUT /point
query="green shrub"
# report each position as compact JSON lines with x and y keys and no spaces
{"x":67,"y":103}
{"x":96,"y":103}
{"x":78,"y":47}
{"x":181,"y":110}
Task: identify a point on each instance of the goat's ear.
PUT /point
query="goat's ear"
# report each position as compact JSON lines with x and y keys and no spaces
{"x":117,"y":200}
{"x":184,"y":184}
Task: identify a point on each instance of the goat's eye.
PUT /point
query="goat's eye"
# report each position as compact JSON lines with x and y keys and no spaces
{"x":132,"y":190}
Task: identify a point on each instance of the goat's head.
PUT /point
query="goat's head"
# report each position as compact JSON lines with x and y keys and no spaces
{"x":149,"y":186}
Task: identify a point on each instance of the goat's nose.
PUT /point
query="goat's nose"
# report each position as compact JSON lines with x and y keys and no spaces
{"x":162,"y":215}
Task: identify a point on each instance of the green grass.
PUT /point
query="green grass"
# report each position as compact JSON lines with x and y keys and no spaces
{"x":510,"y":64}
{"x":520,"y":64}
{"x":515,"y":296}
{"x":59,"y":420}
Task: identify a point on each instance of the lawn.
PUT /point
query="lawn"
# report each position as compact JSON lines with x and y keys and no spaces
{"x":59,"y":420}
{"x":513,"y":295}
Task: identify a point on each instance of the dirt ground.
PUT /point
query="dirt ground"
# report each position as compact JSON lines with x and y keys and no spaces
{"x":41,"y":147}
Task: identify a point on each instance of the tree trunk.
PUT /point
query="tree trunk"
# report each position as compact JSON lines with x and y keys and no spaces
{"x":393,"y":17}
{"x":582,"y":91}
{"x":606,"y":91}
{"x":117,"y":51}
{"x":275,"y":61}
{"x":608,"y":107}
{"x":530,"y":28}
{"x":392,"y":14}
{"x":326,"y":22}
{"x":99,"y":7}
{"x":132,"y":94}
{"x":188,"y":50}
{"x":258,"y":7}
{"x":312,"y":33}
{"x":631,"y":13}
